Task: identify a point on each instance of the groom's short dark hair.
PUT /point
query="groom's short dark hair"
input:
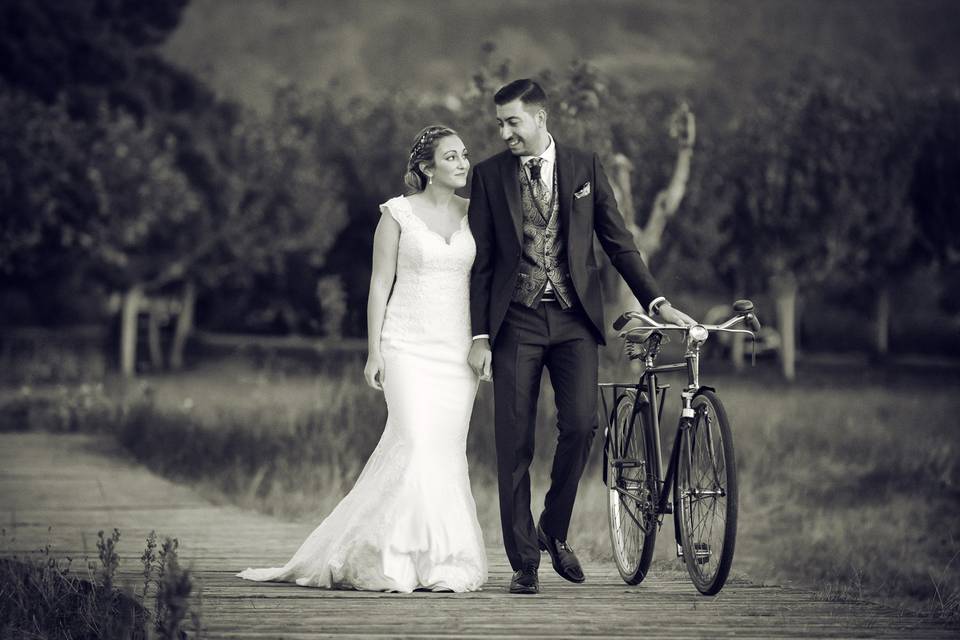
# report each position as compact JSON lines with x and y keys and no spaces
{"x":525,"y":90}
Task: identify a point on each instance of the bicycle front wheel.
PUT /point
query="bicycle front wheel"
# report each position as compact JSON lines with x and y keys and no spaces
{"x":631,"y":486}
{"x":705,"y":494}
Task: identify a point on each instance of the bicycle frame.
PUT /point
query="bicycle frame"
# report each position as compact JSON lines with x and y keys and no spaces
{"x":647,"y":383}
{"x":654,"y":406}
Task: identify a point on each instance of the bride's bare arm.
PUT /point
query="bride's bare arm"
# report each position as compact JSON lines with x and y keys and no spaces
{"x":386,"y":240}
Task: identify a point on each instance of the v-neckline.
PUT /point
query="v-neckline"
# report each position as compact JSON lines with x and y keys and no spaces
{"x":446,"y":241}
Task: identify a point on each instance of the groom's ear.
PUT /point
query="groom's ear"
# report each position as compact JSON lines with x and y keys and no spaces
{"x":541,"y":117}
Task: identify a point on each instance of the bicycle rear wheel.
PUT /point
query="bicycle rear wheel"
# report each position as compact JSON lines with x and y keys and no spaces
{"x":705,"y":494}
{"x":631,"y":486}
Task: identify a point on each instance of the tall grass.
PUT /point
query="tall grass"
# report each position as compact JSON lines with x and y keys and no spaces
{"x":849,"y":478}
{"x":42,"y":596}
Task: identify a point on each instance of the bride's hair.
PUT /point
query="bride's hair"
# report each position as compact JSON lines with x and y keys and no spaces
{"x":422,"y":152}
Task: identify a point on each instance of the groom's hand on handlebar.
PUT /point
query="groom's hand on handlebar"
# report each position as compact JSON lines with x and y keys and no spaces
{"x":674,"y":316}
{"x":480,"y":359}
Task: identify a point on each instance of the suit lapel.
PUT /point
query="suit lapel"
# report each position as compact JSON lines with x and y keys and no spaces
{"x":565,"y":188}
{"x":511,"y":187}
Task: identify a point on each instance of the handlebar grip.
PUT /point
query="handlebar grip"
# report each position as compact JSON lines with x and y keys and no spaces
{"x":754,"y":322}
{"x":620,"y":322}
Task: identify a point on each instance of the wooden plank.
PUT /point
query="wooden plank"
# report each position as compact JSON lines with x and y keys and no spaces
{"x":58,"y":490}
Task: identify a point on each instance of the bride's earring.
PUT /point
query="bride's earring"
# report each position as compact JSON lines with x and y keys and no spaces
{"x":430,"y":180}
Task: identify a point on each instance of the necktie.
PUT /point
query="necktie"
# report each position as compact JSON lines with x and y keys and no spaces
{"x":536,"y":183}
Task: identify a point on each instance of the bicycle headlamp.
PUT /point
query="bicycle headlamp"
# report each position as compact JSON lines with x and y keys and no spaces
{"x":698,"y":333}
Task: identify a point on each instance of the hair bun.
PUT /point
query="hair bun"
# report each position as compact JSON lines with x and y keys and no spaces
{"x":414,"y":180}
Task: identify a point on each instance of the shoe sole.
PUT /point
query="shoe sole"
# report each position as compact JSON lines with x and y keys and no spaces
{"x":556,"y":567}
{"x":525,"y":590}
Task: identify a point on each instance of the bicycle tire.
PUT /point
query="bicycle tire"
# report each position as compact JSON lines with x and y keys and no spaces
{"x":708,"y":520}
{"x":632,"y":523}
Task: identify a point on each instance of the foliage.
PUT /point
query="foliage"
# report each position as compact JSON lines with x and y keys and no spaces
{"x":44,"y":597}
{"x":89,"y":46}
{"x":125,"y":170}
{"x":935,"y":193}
{"x":41,"y":185}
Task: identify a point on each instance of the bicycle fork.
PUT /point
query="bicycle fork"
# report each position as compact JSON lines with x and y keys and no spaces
{"x":687,"y":415}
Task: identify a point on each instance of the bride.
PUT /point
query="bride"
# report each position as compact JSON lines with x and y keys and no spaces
{"x":410,"y":521}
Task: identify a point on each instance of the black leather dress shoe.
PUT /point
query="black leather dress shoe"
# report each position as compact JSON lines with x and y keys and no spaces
{"x":525,"y":581}
{"x":562,"y":556}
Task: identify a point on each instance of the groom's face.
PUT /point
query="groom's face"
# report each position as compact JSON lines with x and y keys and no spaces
{"x":522,"y":128}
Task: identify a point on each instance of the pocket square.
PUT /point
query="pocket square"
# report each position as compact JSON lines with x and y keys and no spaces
{"x":582,"y":191}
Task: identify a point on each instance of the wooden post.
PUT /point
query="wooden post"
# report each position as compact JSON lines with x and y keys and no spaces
{"x":130,"y":308}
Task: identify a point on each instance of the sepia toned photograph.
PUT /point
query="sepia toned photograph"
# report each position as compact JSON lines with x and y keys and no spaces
{"x":457,"y":319}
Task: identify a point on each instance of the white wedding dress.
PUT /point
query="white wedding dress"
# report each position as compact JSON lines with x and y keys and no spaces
{"x":410,"y":521}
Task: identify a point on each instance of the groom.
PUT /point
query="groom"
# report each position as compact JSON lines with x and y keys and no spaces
{"x":535,"y":297}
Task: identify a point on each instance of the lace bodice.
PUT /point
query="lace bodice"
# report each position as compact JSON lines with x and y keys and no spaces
{"x":430,"y":301}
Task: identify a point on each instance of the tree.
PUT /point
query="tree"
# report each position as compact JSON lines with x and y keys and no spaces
{"x":875,"y":196}
{"x":789,"y":175}
{"x":87,"y":47}
{"x":934,"y":190}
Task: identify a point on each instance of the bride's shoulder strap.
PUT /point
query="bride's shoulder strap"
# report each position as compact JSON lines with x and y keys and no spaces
{"x":398,"y":207}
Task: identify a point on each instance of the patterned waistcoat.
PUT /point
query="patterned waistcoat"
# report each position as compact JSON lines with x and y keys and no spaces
{"x":544,"y":254}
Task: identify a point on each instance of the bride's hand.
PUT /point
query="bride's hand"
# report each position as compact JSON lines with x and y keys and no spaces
{"x":480,"y":359}
{"x":373,"y":371}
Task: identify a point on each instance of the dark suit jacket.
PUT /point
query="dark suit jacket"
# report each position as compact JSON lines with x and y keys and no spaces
{"x":496,"y":219}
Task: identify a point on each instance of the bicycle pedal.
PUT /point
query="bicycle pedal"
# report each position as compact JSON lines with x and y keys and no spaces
{"x":701,"y":552}
{"x":679,"y":550}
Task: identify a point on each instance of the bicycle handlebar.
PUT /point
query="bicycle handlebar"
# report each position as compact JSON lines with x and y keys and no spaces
{"x":650,"y":323}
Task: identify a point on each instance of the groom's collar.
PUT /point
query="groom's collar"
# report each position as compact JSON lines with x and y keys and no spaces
{"x":549,"y":154}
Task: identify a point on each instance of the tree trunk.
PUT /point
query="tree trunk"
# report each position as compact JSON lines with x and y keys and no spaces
{"x":667,"y":201}
{"x":623,"y":193}
{"x":665,"y":204}
{"x":153,"y":338}
{"x":738,"y":340}
{"x":881,"y":345}
{"x":184,"y":326}
{"x":737,"y":350}
{"x":785,"y":292}
{"x":130,"y":309}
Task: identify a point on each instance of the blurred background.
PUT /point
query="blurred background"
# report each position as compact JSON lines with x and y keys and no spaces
{"x":188,"y":192}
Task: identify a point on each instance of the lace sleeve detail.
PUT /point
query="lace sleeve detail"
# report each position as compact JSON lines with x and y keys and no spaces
{"x":397,"y":207}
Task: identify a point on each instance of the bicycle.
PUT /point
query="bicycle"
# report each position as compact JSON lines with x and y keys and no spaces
{"x":701,"y":476}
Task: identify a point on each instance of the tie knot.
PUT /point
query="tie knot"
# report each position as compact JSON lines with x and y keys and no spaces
{"x":535,"y":164}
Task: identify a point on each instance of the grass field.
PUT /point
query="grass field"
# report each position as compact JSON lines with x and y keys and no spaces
{"x":849,"y":478}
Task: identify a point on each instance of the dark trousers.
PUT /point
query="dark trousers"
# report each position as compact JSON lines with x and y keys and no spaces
{"x":530,"y":339}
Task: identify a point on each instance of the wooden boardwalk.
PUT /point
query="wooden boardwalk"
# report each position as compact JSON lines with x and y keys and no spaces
{"x":61,"y":489}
